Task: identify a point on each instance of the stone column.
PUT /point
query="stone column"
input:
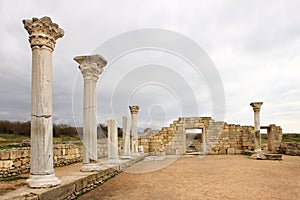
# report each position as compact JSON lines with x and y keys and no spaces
{"x":91,"y":67}
{"x":113,"y":154}
{"x":257,"y":138}
{"x":134,"y":129}
{"x":126,"y":136}
{"x":43,"y":34}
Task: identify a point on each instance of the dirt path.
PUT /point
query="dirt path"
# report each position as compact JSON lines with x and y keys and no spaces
{"x":212,"y":177}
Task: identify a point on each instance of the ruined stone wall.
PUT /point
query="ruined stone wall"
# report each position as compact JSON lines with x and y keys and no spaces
{"x":17,"y":160}
{"x":289,"y":148}
{"x":219,"y":137}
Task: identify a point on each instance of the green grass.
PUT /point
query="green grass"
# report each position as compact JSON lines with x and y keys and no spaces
{"x":291,"y":137}
{"x":285,"y":138}
{"x":8,"y":141}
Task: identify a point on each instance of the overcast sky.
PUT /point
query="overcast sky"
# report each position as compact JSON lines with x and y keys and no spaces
{"x":253,"y":45}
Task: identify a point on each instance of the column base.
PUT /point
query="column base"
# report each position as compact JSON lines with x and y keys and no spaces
{"x":43,"y":181}
{"x":257,"y":150}
{"x":135,"y":154}
{"x":90,"y":167}
{"x":126,"y":157}
{"x":113,"y":161}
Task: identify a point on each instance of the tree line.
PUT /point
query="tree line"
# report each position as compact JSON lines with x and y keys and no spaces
{"x":23,"y":128}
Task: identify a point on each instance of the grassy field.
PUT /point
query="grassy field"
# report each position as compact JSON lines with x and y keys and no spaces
{"x":8,"y":141}
{"x":285,"y":138}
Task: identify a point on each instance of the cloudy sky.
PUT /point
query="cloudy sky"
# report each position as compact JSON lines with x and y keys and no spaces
{"x":251,"y":51}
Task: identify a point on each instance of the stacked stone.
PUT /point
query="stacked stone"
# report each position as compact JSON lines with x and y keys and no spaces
{"x":66,"y":154}
{"x":247,"y":138}
{"x":289,"y":148}
{"x":212,"y":137}
{"x":14,"y":161}
{"x":274,"y":141}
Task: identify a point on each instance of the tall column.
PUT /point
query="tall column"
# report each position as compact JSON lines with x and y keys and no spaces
{"x":113,"y":151}
{"x":91,"y":67}
{"x":257,"y":138}
{"x":43,"y":34}
{"x":126,"y":136}
{"x":134,"y":128}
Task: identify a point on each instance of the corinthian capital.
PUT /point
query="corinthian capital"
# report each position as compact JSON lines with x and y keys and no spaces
{"x":91,"y":66}
{"x":42,"y":32}
{"x":134,"y":109}
{"x":256,"y":106}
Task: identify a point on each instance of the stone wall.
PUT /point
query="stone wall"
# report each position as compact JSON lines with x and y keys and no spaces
{"x":216,"y":137}
{"x":289,"y":148}
{"x":17,"y":160}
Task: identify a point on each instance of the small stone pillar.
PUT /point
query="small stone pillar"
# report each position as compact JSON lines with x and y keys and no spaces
{"x":134,"y":129}
{"x":126,"y":136}
{"x":91,"y":67}
{"x":257,"y":138}
{"x":113,"y":154}
{"x":43,"y":34}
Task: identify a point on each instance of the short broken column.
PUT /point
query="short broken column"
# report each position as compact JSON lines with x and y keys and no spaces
{"x":257,"y":137}
{"x":113,"y":154}
{"x":43,"y":34}
{"x":126,"y":136}
{"x":91,"y":67}
{"x":134,"y":129}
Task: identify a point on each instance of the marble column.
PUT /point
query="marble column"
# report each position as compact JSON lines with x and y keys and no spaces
{"x":126,"y":136}
{"x":43,"y":34}
{"x":91,"y":67}
{"x":257,"y":137}
{"x":134,"y":129}
{"x":113,"y":154}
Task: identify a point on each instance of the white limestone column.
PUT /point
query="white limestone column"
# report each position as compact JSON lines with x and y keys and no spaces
{"x":126,"y":136}
{"x":113,"y":154}
{"x":91,"y":67}
{"x":134,"y":128}
{"x":43,"y":34}
{"x":257,"y":137}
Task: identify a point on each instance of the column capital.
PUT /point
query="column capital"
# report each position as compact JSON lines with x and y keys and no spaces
{"x":91,"y":66}
{"x":134,"y":109}
{"x":256,"y":106}
{"x":42,"y":32}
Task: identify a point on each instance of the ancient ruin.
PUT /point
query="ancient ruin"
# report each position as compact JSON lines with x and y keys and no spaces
{"x":134,"y":128}
{"x":186,"y":135}
{"x":216,"y":138}
{"x":91,"y":67}
{"x":43,"y":34}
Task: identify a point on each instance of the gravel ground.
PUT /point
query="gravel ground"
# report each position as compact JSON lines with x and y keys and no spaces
{"x":210,"y":177}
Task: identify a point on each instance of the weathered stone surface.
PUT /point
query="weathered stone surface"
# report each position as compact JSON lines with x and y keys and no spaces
{"x":113,"y":155}
{"x":134,"y":128}
{"x":43,"y":34}
{"x":91,"y":67}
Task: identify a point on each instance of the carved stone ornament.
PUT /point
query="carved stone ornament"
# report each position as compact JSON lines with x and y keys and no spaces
{"x":134,"y":109}
{"x":43,"y":32}
{"x":91,"y":66}
{"x":256,"y":106}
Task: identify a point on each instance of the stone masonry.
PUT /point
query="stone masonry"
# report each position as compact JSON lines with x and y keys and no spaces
{"x":216,"y":137}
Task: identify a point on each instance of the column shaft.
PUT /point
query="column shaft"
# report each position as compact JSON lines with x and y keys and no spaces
{"x":257,"y":137}
{"x":113,"y":154}
{"x":43,"y":34}
{"x":91,"y":67}
{"x":126,"y":135}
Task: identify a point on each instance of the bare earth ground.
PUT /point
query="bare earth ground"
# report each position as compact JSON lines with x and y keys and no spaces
{"x":210,"y":177}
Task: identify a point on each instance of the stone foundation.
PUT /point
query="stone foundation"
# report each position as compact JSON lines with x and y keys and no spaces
{"x":289,"y":148}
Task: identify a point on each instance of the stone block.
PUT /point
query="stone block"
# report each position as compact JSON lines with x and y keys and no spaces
{"x":6,"y":164}
{"x":231,"y":151}
{"x":4,"y":155}
{"x":13,"y":154}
